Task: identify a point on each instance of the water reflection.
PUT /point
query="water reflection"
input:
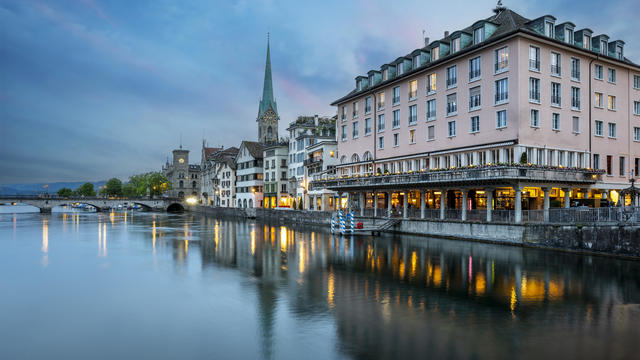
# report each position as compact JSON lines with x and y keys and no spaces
{"x":385,"y":297}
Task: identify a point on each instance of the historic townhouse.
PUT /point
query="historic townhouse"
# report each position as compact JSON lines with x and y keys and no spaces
{"x":222,"y":177}
{"x":249,"y":175}
{"x":275,"y":177}
{"x":504,"y":90}
{"x":184,"y":178}
{"x":207,"y":170}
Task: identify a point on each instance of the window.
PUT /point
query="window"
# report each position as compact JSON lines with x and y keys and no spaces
{"x":413,"y":114}
{"x":622,"y":166}
{"x":598,"y":100}
{"x":619,"y":52}
{"x":431,"y":83}
{"x":431,"y":132}
{"x":475,"y":124}
{"x":611,"y":104}
{"x":575,"y":98}
{"x":431,"y":110}
{"x":576,"y":125}
{"x":555,"y":94}
{"x":612,"y":130}
{"x":452,"y":76}
{"x":636,"y":107}
{"x":501,"y":119}
{"x":367,"y":104}
{"x":609,"y":165}
{"x":587,"y":42}
{"x":568,"y":36}
{"x":455,"y":45}
{"x":395,"y":122}
{"x":603,"y":47}
{"x":396,"y":140}
{"x":611,"y":75}
{"x":502,"y":59}
{"x":371,"y":80}
{"x":575,"y":69}
{"x":452,"y":104}
{"x":435,"y":53}
{"x":380,"y":122}
{"x":344,"y":133}
{"x":452,"y":128}
{"x":598,"y":72}
{"x":599,"y":128}
{"x":367,"y":126}
{"x":478,"y":35}
{"x":556,"y":68}
{"x":555,"y":121}
{"x":355,"y":109}
{"x":415,"y":62}
{"x":400,"y":68}
{"x":534,"y":58}
{"x":596,"y":161}
{"x":412,"y":136}
{"x":636,"y":134}
{"x":535,"y":118}
{"x":548,"y":29}
{"x":475,"y":68}
{"x":534,"y":90}
{"x":413,"y":89}
{"x":396,"y":95}
{"x":381,"y":142}
{"x":636,"y":81}
{"x":502,"y":90}
{"x":381,"y":101}
{"x":344,"y":114}
{"x":385,"y":74}
{"x":355,"y":130}
{"x":475,"y":100}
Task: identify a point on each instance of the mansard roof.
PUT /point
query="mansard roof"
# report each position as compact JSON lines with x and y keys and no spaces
{"x":506,"y":21}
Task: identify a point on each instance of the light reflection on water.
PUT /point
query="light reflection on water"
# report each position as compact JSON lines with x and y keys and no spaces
{"x":248,"y":290}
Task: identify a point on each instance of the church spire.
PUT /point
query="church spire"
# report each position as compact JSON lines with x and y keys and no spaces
{"x":267,"y":89}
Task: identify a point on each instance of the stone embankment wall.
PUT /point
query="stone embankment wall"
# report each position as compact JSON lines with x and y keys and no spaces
{"x":607,"y":239}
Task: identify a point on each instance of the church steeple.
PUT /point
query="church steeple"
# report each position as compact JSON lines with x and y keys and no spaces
{"x":268,"y":109}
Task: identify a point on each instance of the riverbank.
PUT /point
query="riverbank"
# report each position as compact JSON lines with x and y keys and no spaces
{"x":616,"y":240}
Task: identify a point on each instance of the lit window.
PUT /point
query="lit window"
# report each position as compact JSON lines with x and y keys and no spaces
{"x":431,"y":83}
{"x":435,"y":53}
{"x":412,"y":136}
{"x":502,"y":59}
{"x":611,"y":104}
{"x":413,"y":89}
{"x":598,"y":100}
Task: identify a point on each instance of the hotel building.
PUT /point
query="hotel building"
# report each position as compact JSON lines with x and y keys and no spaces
{"x":506,"y":90}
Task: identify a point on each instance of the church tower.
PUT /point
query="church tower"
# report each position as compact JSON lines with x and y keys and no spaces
{"x":268,"y":110}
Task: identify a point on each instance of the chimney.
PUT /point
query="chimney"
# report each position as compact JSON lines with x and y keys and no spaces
{"x":426,"y":41}
{"x":446,"y":33}
{"x":315,"y":120}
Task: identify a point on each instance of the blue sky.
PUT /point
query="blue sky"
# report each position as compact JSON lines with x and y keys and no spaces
{"x":93,"y":89}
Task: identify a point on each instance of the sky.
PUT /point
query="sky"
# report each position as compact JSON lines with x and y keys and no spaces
{"x":94,"y":89}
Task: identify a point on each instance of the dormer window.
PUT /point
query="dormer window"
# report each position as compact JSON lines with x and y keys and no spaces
{"x":619,"y":52}
{"x":359,"y":85}
{"x":568,"y":36}
{"x":400,"y":68}
{"x":548,"y":29}
{"x":435,"y":53}
{"x":416,"y":61}
{"x":455,"y":45}
{"x":587,"y":42}
{"x":603,"y":47}
{"x":370,"y":80}
{"x":385,"y":74}
{"x":478,"y":35}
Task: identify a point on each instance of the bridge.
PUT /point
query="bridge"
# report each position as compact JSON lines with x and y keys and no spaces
{"x":47,"y":202}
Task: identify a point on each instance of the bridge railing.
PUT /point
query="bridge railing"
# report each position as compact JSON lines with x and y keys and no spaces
{"x":58,"y":197}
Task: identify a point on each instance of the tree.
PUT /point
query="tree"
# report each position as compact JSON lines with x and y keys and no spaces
{"x":523,"y":158}
{"x":65,"y":192}
{"x":129,"y":190}
{"x":293,"y":205}
{"x":300,"y":205}
{"x":158,"y":183}
{"x":113,"y":187}
{"x":86,"y":189}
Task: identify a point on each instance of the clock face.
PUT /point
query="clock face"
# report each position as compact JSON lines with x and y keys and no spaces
{"x":181,"y":160}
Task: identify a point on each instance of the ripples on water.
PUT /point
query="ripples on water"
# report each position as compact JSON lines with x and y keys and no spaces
{"x":107,"y":285}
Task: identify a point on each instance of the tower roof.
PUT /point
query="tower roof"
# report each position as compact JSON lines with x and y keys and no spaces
{"x":267,"y":100}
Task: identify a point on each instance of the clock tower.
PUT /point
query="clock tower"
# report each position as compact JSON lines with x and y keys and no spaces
{"x":268,"y":110}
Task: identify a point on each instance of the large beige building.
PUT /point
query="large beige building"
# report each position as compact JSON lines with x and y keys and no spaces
{"x":184,"y":178}
{"x":504,"y":90}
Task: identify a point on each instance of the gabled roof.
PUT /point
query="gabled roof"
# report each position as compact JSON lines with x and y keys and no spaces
{"x":210,"y":151}
{"x":254,"y":148}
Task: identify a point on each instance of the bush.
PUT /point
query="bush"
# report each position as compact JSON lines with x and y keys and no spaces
{"x":523,"y":158}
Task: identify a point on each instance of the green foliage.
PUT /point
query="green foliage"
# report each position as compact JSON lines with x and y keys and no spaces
{"x":293,"y":204}
{"x":65,"y":192}
{"x":86,"y":189}
{"x":300,"y":205}
{"x":113,"y":187}
{"x":523,"y":158}
{"x":154,"y":182}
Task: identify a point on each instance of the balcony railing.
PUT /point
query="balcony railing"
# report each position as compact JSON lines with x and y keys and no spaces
{"x":534,"y":64}
{"x":575,"y":74}
{"x":534,"y":95}
{"x":474,"y":74}
{"x":502,"y":96}
{"x":556,"y":100}
{"x":501,"y":65}
{"x":555,"y":70}
{"x":312,"y":160}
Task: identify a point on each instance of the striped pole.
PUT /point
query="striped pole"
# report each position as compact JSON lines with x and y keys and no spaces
{"x":341,"y":220}
{"x":352,"y":221}
{"x":333,"y":224}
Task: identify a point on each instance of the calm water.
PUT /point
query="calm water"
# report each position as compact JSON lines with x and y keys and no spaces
{"x":89,"y":286}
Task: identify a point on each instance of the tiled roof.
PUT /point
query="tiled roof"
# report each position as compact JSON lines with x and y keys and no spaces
{"x":210,"y":151}
{"x":254,"y":148}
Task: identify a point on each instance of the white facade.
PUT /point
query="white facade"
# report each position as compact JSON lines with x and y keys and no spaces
{"x":275,"y":176}
{"x":249,"y":175}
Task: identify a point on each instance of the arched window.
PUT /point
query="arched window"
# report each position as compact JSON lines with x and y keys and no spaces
{"x":181,"y":184}
{"x":343,"y":159}
{"x":193,"y":184}
{"x":180,"y":194}
{"x":355,"y":158}
{"x":269,"y":132}
{"x":250,"y":203}
{"x":367,"y":156}
{"x":244,"y":203}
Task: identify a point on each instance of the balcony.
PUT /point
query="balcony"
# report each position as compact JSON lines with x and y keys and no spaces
{"x":493,"y":175}
{"x":312,"y":161}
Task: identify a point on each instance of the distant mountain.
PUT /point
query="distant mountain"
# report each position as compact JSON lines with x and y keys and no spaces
{"x":40,"y":188}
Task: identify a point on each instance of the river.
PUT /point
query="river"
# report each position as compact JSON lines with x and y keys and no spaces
{"x":82,"y":285}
